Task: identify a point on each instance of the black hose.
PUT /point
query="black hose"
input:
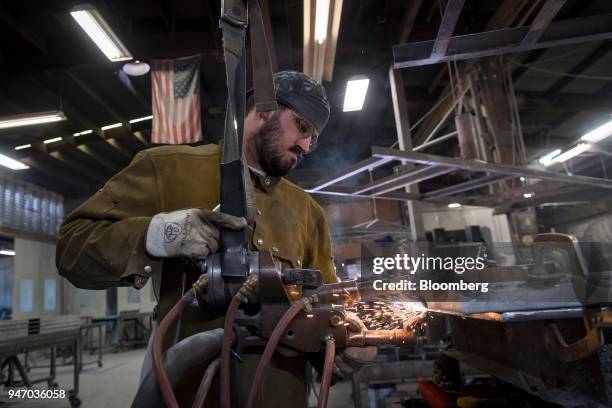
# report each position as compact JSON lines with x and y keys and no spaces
{"x":197,"y":349}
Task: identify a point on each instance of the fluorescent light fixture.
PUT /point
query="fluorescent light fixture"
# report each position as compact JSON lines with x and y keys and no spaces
{"x":141,"y":119}
{"x":528,"y":195}
{"x":356,"y":90}
{"x":99,"y":31}
{"x":114,"y":125}
{"x":571,"y":153}
{"x":598,"y":134}
{"x":55,"y":139}
{"x":8,"y":252}
{"x":548,"y":159}
{"x":84,"y":132}
{"x":12,"y":163}
{"x":321,"y":19}
{"x":454,"y":205}
{"x":31,"y":119}
{"x":25,"y":146}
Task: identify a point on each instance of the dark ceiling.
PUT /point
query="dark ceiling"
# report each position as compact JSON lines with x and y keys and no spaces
{"x":47,"y":62}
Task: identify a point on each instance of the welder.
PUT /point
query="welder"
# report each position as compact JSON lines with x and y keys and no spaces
{"x":152,"y":219}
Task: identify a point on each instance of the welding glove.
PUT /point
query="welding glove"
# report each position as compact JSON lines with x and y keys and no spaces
{"x":190,"y":233}
{"x":353,"y":358}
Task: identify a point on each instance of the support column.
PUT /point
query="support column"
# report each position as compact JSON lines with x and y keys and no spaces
{"x":404,"y":137}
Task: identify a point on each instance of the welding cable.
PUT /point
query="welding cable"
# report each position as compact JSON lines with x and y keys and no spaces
{"x":328,"y":368}
{"x":161,"y":375}
{"x":226,"y":346}
{"x":212,"y":369}
{"x":277,"y":333}
{"x":198,"y":349}
{"x":228,"y":334}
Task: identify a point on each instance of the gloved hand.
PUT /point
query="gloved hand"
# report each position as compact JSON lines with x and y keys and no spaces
{"x":353,"y":358}
{"x":189,"y":233}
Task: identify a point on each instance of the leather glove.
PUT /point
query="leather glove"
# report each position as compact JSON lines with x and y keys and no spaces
{"x":189,"y":233}
{"x":353,"y":358}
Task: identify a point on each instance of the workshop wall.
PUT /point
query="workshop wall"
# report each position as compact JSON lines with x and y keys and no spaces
{"x":459,"y":218}
{"x":38,"y":290}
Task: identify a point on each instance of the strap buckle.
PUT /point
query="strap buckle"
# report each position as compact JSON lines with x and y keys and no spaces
{"x":234,"y":12}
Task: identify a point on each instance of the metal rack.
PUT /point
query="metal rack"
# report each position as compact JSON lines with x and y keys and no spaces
{"x":544,"y":186}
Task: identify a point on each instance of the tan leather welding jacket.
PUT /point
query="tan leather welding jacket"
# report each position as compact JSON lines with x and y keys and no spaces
{"x":102,"y":244}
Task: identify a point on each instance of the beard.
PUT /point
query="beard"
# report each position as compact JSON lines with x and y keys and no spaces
{"x":269,"y":150}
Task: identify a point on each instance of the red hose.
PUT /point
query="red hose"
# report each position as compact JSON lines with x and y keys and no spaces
{"x":158,"y":355}
{"x":209,"y":374}
{"x":328,"y":368}
{"x":225,"y":351}
{"x":278,"y":332}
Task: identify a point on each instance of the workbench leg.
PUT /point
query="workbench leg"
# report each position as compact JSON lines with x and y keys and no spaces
{"x":22,"y":373}
{"x":99,"y":346}
{"x":52,"y":366}
{"x":74,"y":399}
{"x":11,"y":372}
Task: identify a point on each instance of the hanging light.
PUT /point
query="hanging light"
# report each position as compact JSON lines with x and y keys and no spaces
{"x":29,"y":119}
{"x":92,"y":22}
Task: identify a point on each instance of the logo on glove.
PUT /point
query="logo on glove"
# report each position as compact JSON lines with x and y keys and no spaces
{"x":171,"y":231}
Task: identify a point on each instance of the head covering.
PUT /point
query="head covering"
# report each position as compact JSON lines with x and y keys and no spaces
{"x":302,"y":94}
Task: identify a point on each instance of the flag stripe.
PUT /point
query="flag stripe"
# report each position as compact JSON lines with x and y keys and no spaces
{"x":176,"y":101}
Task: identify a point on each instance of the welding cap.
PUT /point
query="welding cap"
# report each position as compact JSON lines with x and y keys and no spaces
{"x":304,"y":95}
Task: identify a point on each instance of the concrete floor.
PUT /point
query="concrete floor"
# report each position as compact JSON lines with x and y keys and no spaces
{"x":111,"y":386}
{"x":115,"y":383}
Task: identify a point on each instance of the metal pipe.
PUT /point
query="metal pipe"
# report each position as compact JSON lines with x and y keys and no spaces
{"x":436,"y":141}
{"x":381,"y":337}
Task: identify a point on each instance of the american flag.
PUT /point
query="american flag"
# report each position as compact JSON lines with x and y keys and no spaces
{"x":175,"y":89}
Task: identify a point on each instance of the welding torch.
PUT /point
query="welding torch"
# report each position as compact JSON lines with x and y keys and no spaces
{"x":318,"y":321}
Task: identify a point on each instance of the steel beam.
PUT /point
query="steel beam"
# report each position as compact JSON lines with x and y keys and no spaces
{"x":477,"y":166}
{"x":565,"y":32}
{"x":28,"y":35}
{"x":356,"y":168}
{"x":466,"y":186}
{"x":412,"y":9}
{"x":541,"y":22}
{"x":595,"y":55}
{"x":394,"y":195}
{"x":447,"y":27}
{"x":432,"y":172}
{"x":405,"y":178}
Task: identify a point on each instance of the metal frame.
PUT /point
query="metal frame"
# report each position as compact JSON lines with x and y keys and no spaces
{"x":419,"y":167}
{"x":511,"y":40}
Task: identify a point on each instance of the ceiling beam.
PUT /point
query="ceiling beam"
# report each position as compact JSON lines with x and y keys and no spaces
{"x":598,"y":53}
{"x":565,"y":101}
{"x":532,"y":57}
{"x":542,"y":20}
{"x":28,"y":35}
{"x":56,"y":173}
{"x":464,"y":47}
{"x":410,"y":14}
{"x":447,"y":27}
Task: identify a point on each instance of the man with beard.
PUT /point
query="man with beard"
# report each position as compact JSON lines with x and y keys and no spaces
{"x":157,"y":212}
